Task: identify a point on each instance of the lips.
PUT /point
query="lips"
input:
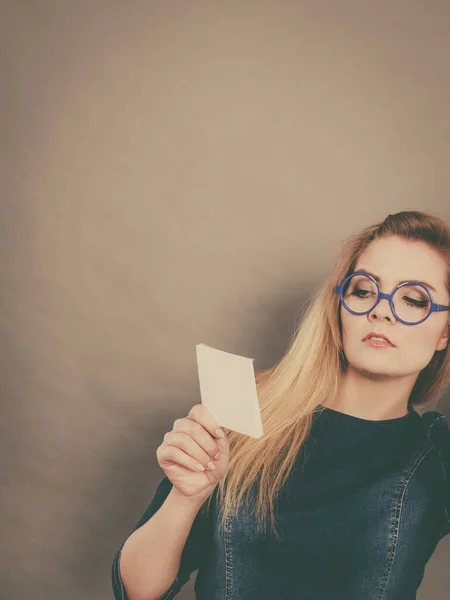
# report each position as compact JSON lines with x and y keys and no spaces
{"x":380,"y":335}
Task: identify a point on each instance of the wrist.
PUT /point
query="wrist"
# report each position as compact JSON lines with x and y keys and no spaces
{"x":195,"y":502}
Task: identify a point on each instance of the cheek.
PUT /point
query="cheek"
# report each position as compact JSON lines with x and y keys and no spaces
{"x":353,"y":327}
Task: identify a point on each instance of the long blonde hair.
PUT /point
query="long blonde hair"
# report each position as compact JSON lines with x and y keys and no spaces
{"x":308,"y":375}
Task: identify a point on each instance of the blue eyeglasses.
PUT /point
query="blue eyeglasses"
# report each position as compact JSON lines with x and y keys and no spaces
{"x":411,"y":302}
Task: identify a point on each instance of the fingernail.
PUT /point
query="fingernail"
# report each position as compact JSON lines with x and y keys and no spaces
{"x":220,"y":433}
{"x":211,"y":465}
{"x":199,"y":467}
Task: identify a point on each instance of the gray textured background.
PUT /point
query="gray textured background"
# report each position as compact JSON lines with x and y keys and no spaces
{"x":178,"y":172}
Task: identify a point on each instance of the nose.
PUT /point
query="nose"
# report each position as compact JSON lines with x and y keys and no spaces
{"x":382,"y":310}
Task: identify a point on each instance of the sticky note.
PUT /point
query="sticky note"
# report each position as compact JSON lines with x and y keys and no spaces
{"x":228,"y":389}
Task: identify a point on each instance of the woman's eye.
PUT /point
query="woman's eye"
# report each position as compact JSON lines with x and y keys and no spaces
{"x":418,"y":303}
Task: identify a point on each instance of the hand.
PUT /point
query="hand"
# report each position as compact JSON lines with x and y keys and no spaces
{"x":193,"y":441}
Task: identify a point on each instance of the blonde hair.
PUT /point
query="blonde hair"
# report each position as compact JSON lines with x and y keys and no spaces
{"x":308,"y":375}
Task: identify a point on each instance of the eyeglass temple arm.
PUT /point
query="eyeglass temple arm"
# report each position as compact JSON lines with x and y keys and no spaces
{"x":440,"y":307}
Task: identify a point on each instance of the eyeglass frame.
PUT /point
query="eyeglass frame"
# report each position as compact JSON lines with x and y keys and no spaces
{"x":434,"y":307}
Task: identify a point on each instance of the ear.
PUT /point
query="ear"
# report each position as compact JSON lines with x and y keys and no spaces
{"x":443,"y":341}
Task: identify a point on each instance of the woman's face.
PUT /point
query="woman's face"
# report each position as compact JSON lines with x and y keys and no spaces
{"x":394,"y":260}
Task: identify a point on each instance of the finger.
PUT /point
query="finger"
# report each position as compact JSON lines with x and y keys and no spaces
{"x":202,"y":415}
{"x":188,"y":444}
{"x":169,"y":456}
{"x":198,"y":432}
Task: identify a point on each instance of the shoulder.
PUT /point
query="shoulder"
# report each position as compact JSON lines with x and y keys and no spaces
{"x":438,"y":435}
{"x":438,"y":432}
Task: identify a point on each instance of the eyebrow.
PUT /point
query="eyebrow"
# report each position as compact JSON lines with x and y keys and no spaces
{"x":405,"y":281}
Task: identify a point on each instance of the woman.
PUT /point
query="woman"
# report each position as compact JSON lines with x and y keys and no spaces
{"x":355,"y":481}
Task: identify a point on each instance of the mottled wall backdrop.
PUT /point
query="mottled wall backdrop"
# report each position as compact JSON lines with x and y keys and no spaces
{"x":176,"y":172}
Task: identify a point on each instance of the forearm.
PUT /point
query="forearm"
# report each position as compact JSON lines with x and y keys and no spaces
{"x":151,"y":556}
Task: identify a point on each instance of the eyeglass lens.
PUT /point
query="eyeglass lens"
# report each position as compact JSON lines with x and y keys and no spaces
{"x":411,"y":302}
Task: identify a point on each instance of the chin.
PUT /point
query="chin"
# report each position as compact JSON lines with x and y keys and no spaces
{"x":371,"y":369}
{"x":376,"y":374}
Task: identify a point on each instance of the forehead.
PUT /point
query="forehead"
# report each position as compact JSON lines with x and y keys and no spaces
{"x":394,"y":259}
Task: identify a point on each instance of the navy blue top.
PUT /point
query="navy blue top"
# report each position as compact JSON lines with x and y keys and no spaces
{"x":359,"y":517}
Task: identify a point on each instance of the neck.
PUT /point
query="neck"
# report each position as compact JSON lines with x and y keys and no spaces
{"x":364,"y":396}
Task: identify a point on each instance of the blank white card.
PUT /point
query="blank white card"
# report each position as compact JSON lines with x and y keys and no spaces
{"x":228,"y":389}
